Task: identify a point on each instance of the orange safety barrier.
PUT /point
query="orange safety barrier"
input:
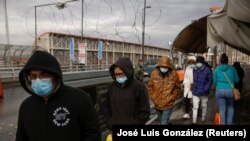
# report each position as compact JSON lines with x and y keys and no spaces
{"x":180,"y":74}
{"x":1,"y":89}
{"x":217,"y":119}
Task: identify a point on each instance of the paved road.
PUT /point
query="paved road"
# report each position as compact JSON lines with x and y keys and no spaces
{"x":179,"y":112}
{"x":9,"y":106}
{"x":176,"y":117}
{"x":244,"y":117}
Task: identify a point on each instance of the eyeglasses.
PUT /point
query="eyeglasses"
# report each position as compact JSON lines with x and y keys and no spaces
{"x":119,"y":74}
{"x":40,"y":75}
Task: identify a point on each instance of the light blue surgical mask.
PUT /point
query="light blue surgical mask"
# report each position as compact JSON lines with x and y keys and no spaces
{"x":199,"y":65}
{"x":121,"y":80}
{"x":164,"y":70}
{"x":42,"y":87}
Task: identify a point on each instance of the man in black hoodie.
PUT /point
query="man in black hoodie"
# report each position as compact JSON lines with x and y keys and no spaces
{"x":127,"y":100}
{"x":54,"y":111}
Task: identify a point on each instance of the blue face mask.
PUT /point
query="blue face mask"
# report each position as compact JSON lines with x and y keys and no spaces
{"x":42,"y":87}
{"x":121,"y":80}
{"x":164,"y":70}
{"x":199,"y":65}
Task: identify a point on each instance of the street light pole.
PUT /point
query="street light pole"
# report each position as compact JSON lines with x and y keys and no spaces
{"x":35,"y":28}
{"x":58,"y":5}
{"x":143,"y":30}
{"x":82,"y":20}
{"x":6,"y":22}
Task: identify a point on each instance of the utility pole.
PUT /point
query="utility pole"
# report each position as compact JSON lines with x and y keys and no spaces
{"x":6,"y":22}
{"x":35,"y":28}
{"x":143,"y":30}
{"x":7,"y":47}
{"x":82,"y":20}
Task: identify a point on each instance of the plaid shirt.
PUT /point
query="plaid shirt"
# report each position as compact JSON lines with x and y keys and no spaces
{"x":203,"y":80}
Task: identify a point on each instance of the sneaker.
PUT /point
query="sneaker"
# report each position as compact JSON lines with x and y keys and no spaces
{"x":185,"y":116}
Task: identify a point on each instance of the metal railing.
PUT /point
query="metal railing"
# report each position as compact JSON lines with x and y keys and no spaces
{"x":8,"y":73}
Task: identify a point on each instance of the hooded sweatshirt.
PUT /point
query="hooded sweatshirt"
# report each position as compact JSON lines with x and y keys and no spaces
{"x":220,"y":80}
{"x":127,"y":103}
{"x":68,"y":115}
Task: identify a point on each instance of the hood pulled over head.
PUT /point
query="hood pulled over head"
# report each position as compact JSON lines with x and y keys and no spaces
{"x":126,"y":66}
{"x":164,"y":62}
{"x":40,"y":60}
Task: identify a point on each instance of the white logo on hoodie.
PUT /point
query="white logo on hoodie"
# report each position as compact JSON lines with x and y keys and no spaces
{"x":61,"y":116}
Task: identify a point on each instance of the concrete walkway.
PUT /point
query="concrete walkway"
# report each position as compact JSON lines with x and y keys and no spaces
{"x":244,"y":117}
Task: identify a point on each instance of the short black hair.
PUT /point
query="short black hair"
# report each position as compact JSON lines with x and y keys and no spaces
{"x":224,"y":59}
{"x":200,"y":59}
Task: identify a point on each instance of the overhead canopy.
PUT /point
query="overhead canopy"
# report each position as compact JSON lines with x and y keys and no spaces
{"x":192,"y":39}
{"x":231,"y":25}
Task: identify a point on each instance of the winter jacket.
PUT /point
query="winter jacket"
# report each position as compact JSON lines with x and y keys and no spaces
{"x":187,"y":82}
{"x":68,"y":115}
{"x":128,"y":103}
{"x":163,"y":89}
{"x":203,"y":80}
{"x":220,"y":80}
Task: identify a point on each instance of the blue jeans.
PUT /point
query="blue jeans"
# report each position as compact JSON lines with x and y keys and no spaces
{"x":225,"y":101}
{"x":164,"y":116}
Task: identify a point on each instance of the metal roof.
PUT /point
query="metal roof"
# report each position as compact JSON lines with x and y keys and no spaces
{"x":193,"y":38}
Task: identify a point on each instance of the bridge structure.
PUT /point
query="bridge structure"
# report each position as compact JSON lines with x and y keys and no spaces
{"x":96,"y":50}
{"x":75,"y":53}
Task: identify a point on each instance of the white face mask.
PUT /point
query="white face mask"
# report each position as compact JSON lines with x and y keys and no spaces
{"x":164,"y":70}
{"x":121,"y":80}
{"x":191,"y":65}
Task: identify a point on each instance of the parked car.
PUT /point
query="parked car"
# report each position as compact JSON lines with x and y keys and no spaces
{"x":149,"y":66}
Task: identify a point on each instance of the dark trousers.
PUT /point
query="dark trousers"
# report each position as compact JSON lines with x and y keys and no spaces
{"x":187,"y":102}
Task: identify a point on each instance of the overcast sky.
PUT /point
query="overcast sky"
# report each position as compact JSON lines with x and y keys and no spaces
{"x":111,"y":19}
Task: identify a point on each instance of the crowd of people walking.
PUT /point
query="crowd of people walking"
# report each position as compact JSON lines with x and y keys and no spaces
{"x":68,"y":113}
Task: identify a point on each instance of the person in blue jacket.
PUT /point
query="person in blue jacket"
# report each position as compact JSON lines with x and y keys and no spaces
{"x":53,"y":111}
{"x":202,"y":83}
{"x":224,"y":93}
